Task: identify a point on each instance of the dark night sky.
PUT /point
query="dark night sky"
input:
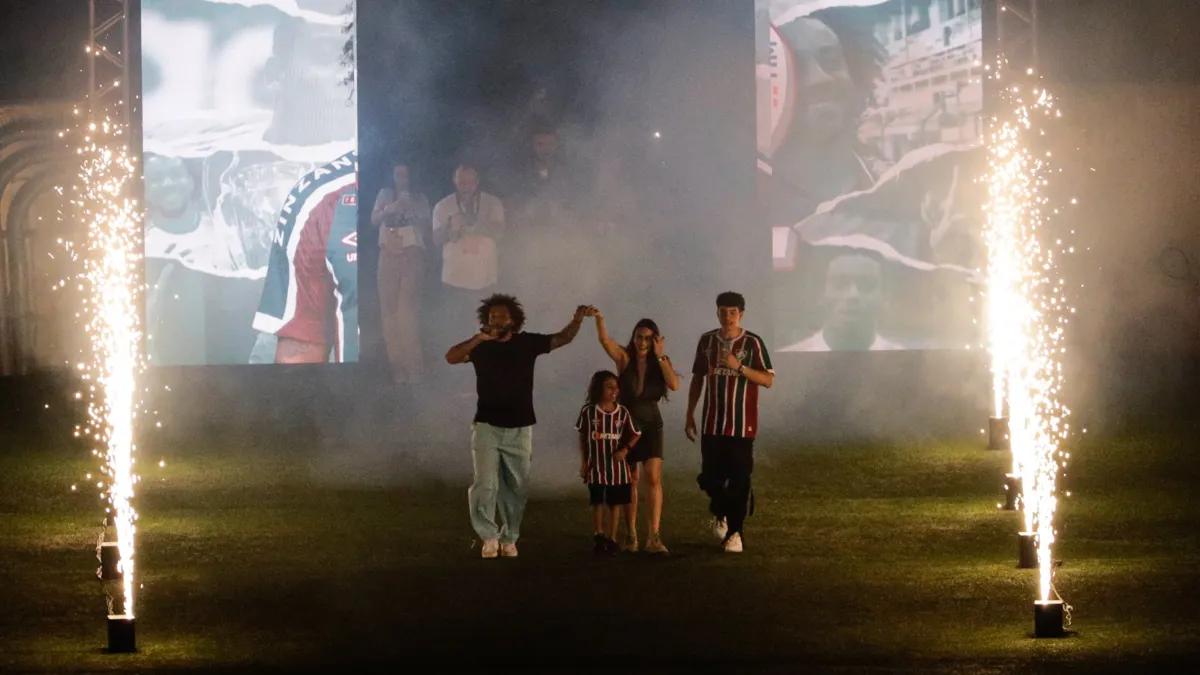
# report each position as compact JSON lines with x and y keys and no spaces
{"x":1083,"y":41}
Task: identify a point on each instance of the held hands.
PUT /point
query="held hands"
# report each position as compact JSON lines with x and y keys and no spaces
{"x":583,"y":311}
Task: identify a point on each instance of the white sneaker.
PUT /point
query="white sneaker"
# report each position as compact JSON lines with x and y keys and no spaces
{"x":734,"y":544}
{"x":508,"y":549}
{"x":491,"y":548}
{"x":719,"y":528}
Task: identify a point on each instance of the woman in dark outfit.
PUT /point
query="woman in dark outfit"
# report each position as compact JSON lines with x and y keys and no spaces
{"x":646,"y":375}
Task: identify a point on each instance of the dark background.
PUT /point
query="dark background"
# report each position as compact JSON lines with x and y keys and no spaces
{"x":1129,"y":67}
{"x":441,"y":83}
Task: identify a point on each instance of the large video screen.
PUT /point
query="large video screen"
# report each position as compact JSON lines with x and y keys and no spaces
{"x":249,"y":138}
{"x":870,"y":135}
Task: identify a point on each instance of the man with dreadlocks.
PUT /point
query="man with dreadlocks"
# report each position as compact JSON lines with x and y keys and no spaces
{"x":502,"y":433}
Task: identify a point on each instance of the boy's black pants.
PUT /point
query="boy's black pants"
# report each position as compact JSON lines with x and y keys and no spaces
{"x":725,"y":466}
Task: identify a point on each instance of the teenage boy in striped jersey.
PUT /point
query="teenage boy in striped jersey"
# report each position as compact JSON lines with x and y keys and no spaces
{"x":731,"y":364}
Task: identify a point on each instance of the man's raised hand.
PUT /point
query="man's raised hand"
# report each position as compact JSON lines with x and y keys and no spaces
{"x":583,"y":311}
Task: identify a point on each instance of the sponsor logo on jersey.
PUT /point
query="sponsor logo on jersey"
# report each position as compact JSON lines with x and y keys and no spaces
{"x":349,"y":200}
{"x":600,"y":436}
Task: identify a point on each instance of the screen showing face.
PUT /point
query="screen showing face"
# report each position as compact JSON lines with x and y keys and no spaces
{"x":870,"y":135}
{"x":249,"y":141}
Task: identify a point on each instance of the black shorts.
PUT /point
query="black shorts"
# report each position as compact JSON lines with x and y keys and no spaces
{"x":613,"y":495}
{"x":649,"y":446}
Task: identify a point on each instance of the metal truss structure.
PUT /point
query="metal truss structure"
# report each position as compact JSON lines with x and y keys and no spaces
{"x":108,"y":58}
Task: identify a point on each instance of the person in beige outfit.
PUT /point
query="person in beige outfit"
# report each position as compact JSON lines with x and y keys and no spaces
{"x":403,"y":219}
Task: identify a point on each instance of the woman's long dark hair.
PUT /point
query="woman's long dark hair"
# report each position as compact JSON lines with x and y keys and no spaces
{"x":654,"y":371}
{"x":595,"y":391}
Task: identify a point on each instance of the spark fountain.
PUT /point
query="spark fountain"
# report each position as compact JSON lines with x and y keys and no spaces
{"x":1027,"y":316}
{"x":112,"y":280}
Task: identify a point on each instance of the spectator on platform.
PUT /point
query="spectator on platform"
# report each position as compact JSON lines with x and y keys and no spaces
{"x":541,"y":188}
{"x":404,"y":221}
{"x":467,"y":227}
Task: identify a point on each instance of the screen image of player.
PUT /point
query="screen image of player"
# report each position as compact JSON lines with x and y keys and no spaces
{"x":249,"y":138}
{"x":870,"y":137}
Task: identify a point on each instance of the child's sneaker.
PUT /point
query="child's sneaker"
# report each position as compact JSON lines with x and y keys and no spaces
{"x":612,"y":548}
{"x":599,"y":543}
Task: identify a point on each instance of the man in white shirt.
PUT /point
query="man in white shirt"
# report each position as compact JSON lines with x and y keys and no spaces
{"x":853,"y":300}
{"x":467,"y":227}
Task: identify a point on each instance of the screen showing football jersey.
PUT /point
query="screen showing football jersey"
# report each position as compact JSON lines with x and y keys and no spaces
{"x":311,"y":290}
{"x":603,"y":432}
{"x":730,"y":399}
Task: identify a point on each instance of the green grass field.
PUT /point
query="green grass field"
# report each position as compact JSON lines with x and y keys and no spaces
{"x":859,"y":558}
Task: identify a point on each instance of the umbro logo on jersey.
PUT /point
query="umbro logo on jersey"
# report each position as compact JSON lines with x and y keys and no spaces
{"x":351,"y":239}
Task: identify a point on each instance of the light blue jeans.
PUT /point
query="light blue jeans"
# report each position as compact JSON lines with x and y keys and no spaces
{"x":501,"y":460}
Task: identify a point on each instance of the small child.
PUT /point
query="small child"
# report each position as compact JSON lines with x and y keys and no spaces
{"x":606,"y":433}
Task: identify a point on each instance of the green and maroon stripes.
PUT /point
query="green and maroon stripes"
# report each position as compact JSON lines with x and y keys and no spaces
{"x":604,"y":432}
{"x":730,"y":400}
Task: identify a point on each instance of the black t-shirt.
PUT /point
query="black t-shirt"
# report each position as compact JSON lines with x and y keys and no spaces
{"x":504,"y":379}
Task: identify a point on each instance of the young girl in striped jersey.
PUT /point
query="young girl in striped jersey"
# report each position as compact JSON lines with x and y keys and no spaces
{"x":606,"y":433}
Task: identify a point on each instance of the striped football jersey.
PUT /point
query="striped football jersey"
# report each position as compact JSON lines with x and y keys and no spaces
{"x":311,"y":290}
{"x":730,"y":399}
{"x":605,"y":433}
